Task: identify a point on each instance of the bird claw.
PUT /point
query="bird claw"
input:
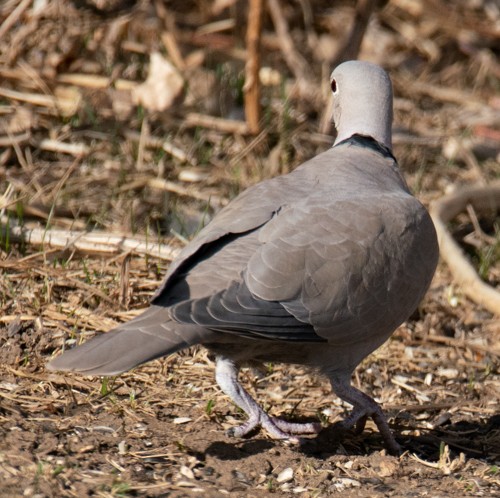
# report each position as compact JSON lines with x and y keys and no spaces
{"x":231,"y":432}
{"x":294,"y":441}
{"x":244,"y":429}
{"x":277,"y":428}
{"x":356,"y":423}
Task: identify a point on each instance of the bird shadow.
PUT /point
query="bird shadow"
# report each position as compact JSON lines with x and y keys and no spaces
{"x":479,"y":440}
{"x":231,"y":451}
{"x":475,"y":439}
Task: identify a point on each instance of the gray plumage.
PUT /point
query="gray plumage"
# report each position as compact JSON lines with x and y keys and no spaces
{"x":317,"y":267}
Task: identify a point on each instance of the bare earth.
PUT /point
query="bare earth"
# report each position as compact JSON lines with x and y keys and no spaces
{"x":160,"y":430}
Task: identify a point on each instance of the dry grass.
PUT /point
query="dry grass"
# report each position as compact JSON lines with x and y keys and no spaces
{"x":77,"y":154}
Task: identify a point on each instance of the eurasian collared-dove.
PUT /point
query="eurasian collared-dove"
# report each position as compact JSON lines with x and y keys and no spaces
{"x":317,"y":267}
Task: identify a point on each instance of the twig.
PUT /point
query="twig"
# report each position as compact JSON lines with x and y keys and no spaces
{"x":297,"y":64}
{"x":73,"y":149}
{"x":478,"y":231}
{"x":95,"y":82}
{"x":216,"y":42}
{"x":64,"y":218}
{"x":13,"y":318}
{"x":172,"y":47}
{"x":432,"y":465}
{"x":220,"y":124}
{"x":6,"y":141}
{"x":125,"y":289}
{"x":401,"y":138}
{"x":168,"y":37}
{"x":455,"y":147}
{"x":248,"y":148}
{"x":161,"y":184}
{"x":422,"y":396}
{"x":252,"y":67}
{"x":57,"y":189}
{"x":168,"y":147}
{"x":421,"y":408}
{"x":64,"y":106}
{"x":305,"y":86}
{"x":444,"y":210}
{"x":216,"y":27}
{"x":93,"y":242}
{"x":143,"y":136}
{"x":6,"y":199}
{"x":350,"y":48}
{"x":13,"y":17}
{"x":55,"y":378}
{"x":441,"y":93}
{"x":33,"y":76}
{"x":458,"y":343}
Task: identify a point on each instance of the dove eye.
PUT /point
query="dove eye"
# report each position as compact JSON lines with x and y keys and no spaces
{"x":333,"y":86}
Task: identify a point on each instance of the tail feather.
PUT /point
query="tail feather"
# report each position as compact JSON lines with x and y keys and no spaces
{"x":149,"y":336}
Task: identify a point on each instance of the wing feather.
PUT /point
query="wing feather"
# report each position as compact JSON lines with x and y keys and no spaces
{"x":324,"y":263}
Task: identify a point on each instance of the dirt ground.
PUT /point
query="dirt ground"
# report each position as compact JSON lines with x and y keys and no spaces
{"x":82,"y":151}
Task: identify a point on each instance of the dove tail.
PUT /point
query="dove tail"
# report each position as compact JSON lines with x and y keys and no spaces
{"x":150,"y":335}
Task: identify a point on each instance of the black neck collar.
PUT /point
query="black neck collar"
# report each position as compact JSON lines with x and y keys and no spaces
{"x":368,"y":142}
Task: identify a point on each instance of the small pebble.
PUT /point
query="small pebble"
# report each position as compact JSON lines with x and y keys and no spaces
{"x":285,"y":475}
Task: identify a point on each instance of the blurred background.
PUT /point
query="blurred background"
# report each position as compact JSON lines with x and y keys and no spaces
{"x":128,"y":89}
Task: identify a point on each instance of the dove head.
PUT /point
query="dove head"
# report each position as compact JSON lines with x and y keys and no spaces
{"x":362,"y":103}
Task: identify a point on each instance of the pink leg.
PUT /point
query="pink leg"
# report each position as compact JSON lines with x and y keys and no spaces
{"x":226,"y":374}
{"x":364,"y":407}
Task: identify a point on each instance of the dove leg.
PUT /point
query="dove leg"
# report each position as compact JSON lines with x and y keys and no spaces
{"x":364,"y":407}
{"x":226,"y":375}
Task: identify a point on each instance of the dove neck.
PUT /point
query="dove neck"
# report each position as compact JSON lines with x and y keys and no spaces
{"x":367,"y":120}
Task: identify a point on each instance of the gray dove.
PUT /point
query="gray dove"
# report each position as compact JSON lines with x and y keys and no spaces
{"x":317,"y":268}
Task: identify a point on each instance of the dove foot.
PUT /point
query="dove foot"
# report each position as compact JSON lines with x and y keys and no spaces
{"x":276,"y":427}
{"x":364,"y":407}
{"x":226,"y":374}
{"x":266,"y":423}
{"x":297,"y":428}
